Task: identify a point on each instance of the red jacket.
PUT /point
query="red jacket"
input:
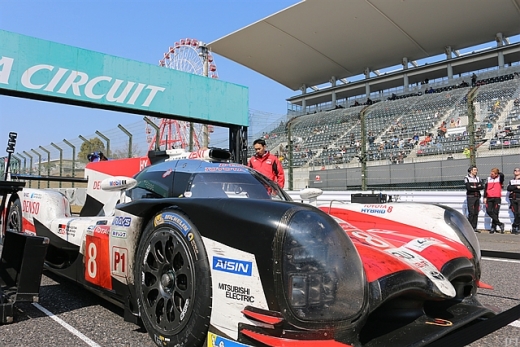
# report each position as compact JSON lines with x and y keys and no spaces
{"x":269,"y":166}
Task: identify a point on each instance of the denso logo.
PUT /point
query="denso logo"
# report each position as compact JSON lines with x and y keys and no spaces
{"x":234,"y":266}
{"x":61,"y":80}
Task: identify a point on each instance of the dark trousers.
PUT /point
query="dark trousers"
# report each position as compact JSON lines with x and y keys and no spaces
{"x":473,"y":209}
{"x":515,"y":208}
{"x":492,"y":209}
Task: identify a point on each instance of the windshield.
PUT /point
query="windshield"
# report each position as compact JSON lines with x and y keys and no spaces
{"x":233,"y":185}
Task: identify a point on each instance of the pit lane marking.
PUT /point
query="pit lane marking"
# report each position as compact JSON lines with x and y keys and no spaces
{"x":502,"y":260}
{"x":66,"y":325}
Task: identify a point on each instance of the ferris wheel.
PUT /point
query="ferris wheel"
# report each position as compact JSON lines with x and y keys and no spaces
{"x":188,"y":55}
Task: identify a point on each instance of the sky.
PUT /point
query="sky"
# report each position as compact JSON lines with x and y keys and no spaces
{"x":133,"y":29}
{"x":140,"y":30}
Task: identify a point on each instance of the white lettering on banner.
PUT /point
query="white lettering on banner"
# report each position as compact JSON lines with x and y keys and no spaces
{"x":6,"y":64}
{"x":81,"y":84}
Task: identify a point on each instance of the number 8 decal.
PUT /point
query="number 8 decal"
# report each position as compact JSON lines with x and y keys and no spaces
{"x":91,"y":263}
{"x":97,"y":260}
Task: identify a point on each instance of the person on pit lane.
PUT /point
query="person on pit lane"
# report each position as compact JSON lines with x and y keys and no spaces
{"x":266,"y":163}
{"x":473,"y":187}
{"x":514,"y":199}
{"x":96,"y":156}
{"x":492,"y":198}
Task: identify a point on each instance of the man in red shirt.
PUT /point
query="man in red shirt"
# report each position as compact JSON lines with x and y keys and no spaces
{"x":266,"y":163}
{"x":492,"y":198}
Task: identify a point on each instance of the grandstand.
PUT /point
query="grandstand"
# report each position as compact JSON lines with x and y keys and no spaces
{"x":415,"y":112}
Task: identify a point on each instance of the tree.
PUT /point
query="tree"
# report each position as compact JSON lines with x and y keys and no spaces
{"x":123,"y":152}
{"x":94,"y":145}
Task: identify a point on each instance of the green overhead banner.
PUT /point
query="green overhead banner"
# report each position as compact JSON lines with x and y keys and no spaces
{"x":45,"y":70}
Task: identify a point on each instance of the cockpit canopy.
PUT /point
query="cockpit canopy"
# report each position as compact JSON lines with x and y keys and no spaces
{"x":201,"y":179}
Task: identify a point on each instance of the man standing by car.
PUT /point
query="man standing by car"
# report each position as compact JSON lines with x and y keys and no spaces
{"x":514,"y":199}
{"x":492,"y":198}
{"x":266,"y":163}
{"x":473,"y":188}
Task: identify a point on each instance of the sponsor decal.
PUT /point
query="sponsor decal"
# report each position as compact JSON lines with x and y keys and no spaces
{"x":428,"y":269}
{"x":376,"y":209}
{"x":90,"y":230}
{"x":65,"y":229}
{"x":236,"y":292}
{"x":173,"y":219}
{"x":102,"y":229}
{"x":317,"y":179}
{"x":219,"y":341}
{"x":167,"y":173}
{"x":116,"y":183}
{"x":32,"y":195}
{"x":224,"y":169}
{"x":96,"y":185}
{"x":234,"y":266}
{"x":120,"y":261}
{"x":32,"y":207}
{"x":102,"y":222}
{"x":440,"y":322}
{"x":229,"y":165}
{"x":62,"y":229}
{"x":121,"y":234}
{"x":158,"y":220}
{"x":122,"y":221}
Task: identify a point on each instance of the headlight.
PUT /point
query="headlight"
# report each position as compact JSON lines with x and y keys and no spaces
{"x":322,"y":274}
{"x":461,"y":226}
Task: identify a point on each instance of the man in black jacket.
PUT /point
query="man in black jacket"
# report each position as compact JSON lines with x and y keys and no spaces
{"x":514,"y":198}
{"x":473,"y":187}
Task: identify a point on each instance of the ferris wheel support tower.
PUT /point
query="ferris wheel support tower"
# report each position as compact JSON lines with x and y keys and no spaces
{"x":193,"y":56}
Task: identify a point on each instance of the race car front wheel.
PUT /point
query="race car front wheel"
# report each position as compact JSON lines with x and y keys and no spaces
{"x":173,"y":281}
{"x":14,"y":216}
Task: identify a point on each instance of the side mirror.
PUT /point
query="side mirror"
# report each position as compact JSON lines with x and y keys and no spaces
{"x":310,"y":193}
{"x":116,"y":183}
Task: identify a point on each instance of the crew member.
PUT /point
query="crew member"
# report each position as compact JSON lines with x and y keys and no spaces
{"x":266,"y":163}
{"x":473,"y":188}
{"x":492,"y":198}
{"x":514,"y":199}
{"x":96,"y":156}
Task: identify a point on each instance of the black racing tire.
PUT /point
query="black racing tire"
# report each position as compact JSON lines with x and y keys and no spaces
{"x":14,"y":216}
{"x":173,"y":281}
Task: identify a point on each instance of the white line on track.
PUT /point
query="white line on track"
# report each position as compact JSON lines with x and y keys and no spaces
{"x":66,"y":326}
{"x":516,"y":323}
{"x":502,"y":260}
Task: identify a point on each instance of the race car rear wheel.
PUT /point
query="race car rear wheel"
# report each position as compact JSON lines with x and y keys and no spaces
{"x":173,"y":281}
{"x":14,"y":216}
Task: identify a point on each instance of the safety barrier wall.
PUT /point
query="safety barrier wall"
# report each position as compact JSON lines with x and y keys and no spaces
{"x":453,"y":198}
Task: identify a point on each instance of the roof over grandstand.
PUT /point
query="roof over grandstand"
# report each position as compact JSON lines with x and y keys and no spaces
{"x":313,"y":40}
